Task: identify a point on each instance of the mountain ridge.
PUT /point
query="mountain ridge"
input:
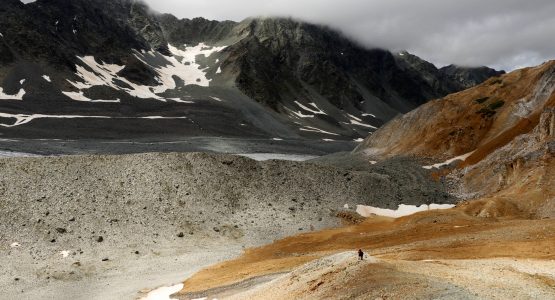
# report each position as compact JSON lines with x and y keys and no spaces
{"x":312,"y":80}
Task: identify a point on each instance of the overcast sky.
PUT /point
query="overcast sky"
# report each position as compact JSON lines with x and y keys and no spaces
{"x":501,"y":33}
{"x":504,"y":34}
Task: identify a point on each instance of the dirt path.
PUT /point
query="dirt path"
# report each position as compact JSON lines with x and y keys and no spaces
{"x":437,"y":235}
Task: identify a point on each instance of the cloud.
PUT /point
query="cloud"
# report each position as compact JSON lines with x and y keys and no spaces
{"x":504,"y":34}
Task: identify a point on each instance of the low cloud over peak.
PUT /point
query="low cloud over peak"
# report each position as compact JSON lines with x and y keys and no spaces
{"x":505,"y":34}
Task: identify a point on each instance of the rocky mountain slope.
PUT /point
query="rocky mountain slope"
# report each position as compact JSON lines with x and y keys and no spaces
{"x":105,"y":227}
{"x":115,"y":68}
{"x":497,"y":141}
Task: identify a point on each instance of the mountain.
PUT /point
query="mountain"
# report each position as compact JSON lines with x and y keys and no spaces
{"x":497,"y":140}
{"x":108,"y":69}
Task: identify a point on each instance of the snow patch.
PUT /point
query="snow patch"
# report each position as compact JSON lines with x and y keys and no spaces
{"x":188,"y":70}
{"x":354,"y":122}
{"x":316,"y":110}
{"x":448,"y":162}
{"x":354,"y":118}
{"x":21,"y":119}
{"x":328,"y":140}
{"x":15,"y":154}
{"x":277,"y":139}
{"x":358,"y":121}
{"x":219,"y":71}
{"x":299,"y":114}
{"x":47,"y":78}
{"x":277,"y":156}
{"x":64,"y":253}
{"x":22,"y":81}
{"x":18,"y":96}
{"x":217,"y":99}
{"x":368,"y":115}
{"x":402,"y":211}
{"x":79,"y":96}
{"x":314,"y":129}
{"x":359,"y":140}
{"x":15,"y":245}
{"x":181,"y":100}
{"x":163,"y":293}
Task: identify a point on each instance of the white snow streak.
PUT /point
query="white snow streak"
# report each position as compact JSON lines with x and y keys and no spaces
{"x":163,"y":293}
{"x":188,"y":70}
{"x":47,"y":78}
{"x":18,"y":96}
{"x":21,"y":119}
{"x":402,"y":211}
{"x":314,"y":129}
{"x":358,"y":121}
{"x":316,"y":110}
{"x":368,"y":115}
{"x":79,"y":96}
{"x":299,"y":114}
{"x":191,"y":72}
{"x":448,"y":162}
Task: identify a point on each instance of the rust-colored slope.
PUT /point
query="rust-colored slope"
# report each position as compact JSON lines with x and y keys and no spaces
{"x":488,"y":116}
{"x":431,"y":235}
{"x":523,"y":126}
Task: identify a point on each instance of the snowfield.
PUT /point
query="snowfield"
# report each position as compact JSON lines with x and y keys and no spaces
{"x":449,"y":161}
{"x":79,"y":96}
{"x":163,"y":293}
{"x":18,"y":96}
{"x":314,"y":129}
{"x":21,"y":119}
{"x":182,"y":64}
{"x":401,"y":211}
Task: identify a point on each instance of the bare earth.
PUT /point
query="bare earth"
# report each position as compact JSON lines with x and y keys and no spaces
{"x":437,"y":254}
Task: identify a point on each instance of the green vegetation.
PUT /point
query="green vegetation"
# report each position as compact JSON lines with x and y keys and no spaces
{"x":496,"y":81}
{"x":497,"y":104}
{"x":486,"y":112}
{"x":481,"y":100}
{"x":489,"y":110}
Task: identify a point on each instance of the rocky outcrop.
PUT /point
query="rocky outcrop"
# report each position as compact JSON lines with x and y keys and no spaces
{"x":469,"y":77}
{"x":502,"y":134}
{"x":480,"y":119}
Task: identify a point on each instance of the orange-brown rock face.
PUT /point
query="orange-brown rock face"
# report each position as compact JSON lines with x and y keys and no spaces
{"x":506,"y":126}
{"x":482,"y":118}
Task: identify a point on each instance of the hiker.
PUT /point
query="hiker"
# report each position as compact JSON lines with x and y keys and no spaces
{"x":360,"y":254}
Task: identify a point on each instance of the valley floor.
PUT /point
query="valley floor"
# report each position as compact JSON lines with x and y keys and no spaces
{"x":437,"y":254}
{"x":229,"y":145}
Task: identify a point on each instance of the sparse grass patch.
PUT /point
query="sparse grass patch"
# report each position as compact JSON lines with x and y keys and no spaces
{"x":486,"y":112}
{"x":497,"y":104}
{"x":496,"y":81}
{"x":481,"y":100}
